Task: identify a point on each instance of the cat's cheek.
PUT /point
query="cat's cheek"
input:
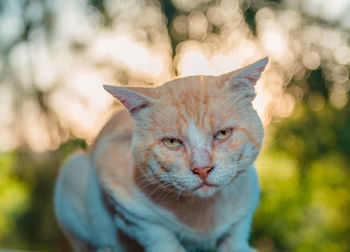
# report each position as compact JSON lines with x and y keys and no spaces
{"x":248,"y":154}
{"x":173,"y":162}
{"x":226,"y":167}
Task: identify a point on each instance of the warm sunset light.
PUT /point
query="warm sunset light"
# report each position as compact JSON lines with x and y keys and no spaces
{"x":123,"y":55}
{"x":55,"y":57}
{"x":79,"y":99}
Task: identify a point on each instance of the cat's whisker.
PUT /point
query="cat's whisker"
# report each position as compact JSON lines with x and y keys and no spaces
{"x":164,"y":197}
{"x":153,"y":184}
{"x":159,"y":187}
{"x":180,"y":191}
{"x":146,"y":177}
{"x":273,"y":143}
{"x":165,"y":194}
{"x":276,"y":160}
{"x":264,"y":164}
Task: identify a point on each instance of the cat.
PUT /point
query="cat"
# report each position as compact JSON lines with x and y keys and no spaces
{"x":173,"y":171}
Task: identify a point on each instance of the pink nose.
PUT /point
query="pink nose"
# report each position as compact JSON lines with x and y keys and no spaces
{"x":203,"y":172}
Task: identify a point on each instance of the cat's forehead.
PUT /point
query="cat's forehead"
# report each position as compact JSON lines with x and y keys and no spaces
{"x":190,"y":103}
{"x":193,"y":90}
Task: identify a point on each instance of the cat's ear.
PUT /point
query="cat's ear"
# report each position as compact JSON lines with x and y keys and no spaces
{"x":133,"y":101}
{"x":244,"y":79}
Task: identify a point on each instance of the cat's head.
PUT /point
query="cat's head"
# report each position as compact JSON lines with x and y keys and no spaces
{"x":196,"y":133}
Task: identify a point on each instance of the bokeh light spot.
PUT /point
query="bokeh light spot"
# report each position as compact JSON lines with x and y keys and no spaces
{"x":316,"y":102}
{"x":311,"y":60}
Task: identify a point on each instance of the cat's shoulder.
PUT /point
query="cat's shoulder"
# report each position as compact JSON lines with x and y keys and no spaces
{"x":120,"y":123}
{"x":111,"y":155}
{"x":118,"y":129}
{"x":112,"y":146}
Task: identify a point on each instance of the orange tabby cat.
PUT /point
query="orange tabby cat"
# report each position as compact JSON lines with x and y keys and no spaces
{"x":172,"y":172}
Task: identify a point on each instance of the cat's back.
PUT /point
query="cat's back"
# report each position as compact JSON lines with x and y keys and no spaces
{"x":120,"y":124}
{"x":110,"y":152}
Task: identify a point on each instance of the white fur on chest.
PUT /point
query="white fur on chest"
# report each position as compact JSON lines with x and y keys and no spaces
{"x":238,"y":200}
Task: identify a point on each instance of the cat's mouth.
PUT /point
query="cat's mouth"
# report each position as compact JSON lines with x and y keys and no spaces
{"x":204,"y":186}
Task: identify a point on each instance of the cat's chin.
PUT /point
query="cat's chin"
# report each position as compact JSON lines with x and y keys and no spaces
{"x":205,"y":190}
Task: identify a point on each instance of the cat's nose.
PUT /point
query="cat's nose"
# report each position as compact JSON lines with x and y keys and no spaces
{"x":203,"y":172}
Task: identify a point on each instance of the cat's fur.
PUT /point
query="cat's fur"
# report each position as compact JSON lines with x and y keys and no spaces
{"x":132,"y":192}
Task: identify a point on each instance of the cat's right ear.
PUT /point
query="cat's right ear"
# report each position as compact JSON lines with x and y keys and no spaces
{"x":243,"y":80}
{"x":133,"y":101}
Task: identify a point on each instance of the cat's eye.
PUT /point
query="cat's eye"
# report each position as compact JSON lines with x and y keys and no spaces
{"x":172,"y":143}
{"x":222,"y":134}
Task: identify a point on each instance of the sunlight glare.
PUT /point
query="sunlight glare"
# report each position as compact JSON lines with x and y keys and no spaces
{"x":193,"y":61}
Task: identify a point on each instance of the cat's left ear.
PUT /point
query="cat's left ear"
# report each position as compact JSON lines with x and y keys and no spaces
{"x":133,"y":101}
{"x":245,"y":78}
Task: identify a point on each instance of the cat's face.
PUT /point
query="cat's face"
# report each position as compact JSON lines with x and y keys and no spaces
{"x":196,"y":134}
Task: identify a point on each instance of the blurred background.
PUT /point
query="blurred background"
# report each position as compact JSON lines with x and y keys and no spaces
{"x":55,"y":56}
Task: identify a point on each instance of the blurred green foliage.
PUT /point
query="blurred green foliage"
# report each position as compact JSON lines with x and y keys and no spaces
{"x":26,"y":199}
{"x":306,"y":195}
